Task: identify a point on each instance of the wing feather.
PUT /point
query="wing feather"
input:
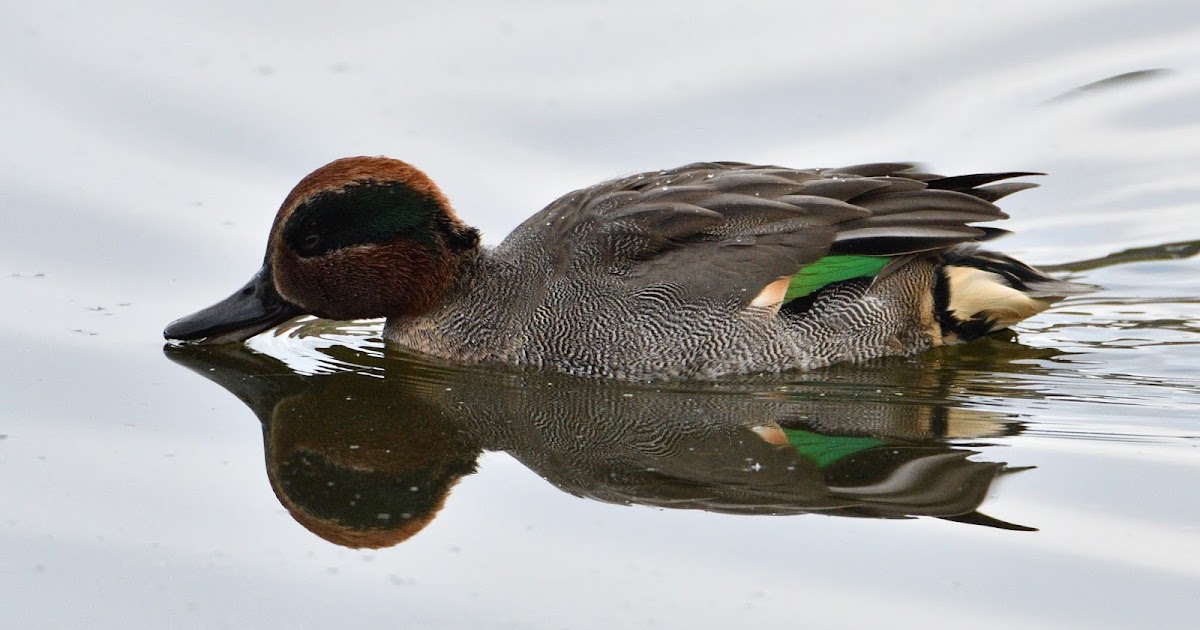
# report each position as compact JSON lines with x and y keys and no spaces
{"x":725,"y":230}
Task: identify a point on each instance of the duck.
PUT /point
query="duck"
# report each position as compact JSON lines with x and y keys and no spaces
{"x":696,"y":272}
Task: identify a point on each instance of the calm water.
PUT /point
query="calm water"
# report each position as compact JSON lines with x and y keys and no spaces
{"x":1043,"y":479}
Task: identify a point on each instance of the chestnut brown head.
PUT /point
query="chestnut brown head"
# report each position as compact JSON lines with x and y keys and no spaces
{"x":359,"y":237}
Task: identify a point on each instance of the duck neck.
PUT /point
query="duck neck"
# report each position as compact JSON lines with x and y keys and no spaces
{"x":470,"y":267}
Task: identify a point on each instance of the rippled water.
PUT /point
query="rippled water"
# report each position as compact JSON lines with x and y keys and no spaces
{"x":1046,"y":478}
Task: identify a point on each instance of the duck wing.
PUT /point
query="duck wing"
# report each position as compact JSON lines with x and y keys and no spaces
{"x":727,"y":230}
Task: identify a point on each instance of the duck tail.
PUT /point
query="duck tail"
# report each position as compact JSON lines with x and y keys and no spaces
{"x":978,"y":292}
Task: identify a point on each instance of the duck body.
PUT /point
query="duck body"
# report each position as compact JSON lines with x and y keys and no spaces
{"x":595,"y":324}
{"x":696,"y":272}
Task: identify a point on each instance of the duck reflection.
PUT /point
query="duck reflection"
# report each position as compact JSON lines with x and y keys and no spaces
{"x":366,"y":454}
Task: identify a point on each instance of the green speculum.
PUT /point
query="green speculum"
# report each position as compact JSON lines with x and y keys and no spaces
{"x":830,"y":269}
{"x":823,"y":450}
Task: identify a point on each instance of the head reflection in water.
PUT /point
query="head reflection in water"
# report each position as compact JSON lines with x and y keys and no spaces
{"x":364,"y":461}
{"x":351,"y":481}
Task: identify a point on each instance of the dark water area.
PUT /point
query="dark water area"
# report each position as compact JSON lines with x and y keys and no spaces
{"x":1043,"y":478}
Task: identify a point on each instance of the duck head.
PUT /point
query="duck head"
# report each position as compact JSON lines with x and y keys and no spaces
{"x":360,"y":237}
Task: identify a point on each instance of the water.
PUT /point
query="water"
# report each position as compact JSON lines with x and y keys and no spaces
{"x":1043,"y":479}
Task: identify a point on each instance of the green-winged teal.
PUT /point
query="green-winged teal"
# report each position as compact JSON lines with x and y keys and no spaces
{"x":694,"y":272}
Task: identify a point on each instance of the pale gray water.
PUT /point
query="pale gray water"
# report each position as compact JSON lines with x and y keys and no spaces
{"x":146,"y":147}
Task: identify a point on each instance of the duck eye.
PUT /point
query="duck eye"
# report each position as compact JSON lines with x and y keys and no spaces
{"x":311,"y":241}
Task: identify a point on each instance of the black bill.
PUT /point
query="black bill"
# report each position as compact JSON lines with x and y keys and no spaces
{"x":249,"y":311}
